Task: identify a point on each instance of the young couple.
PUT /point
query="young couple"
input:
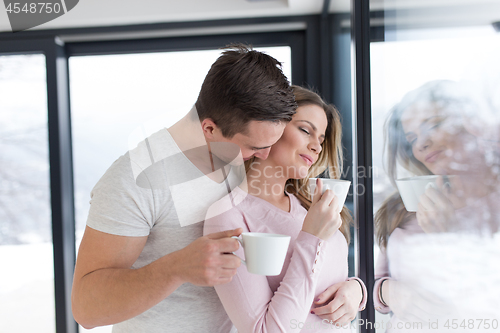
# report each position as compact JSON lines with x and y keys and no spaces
{"x":144,"y":264}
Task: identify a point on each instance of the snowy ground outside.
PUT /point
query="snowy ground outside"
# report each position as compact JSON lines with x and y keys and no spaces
{"x":27,"y":290}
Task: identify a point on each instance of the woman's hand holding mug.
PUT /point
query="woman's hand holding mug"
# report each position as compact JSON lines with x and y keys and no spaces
{"x":323,"y":218}
{"x":437,"y":206}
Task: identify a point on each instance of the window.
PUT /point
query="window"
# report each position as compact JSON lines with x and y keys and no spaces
{"x":453,"y":73}
{"x":27,"y":279}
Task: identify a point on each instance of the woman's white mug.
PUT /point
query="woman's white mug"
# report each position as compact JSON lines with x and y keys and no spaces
{"x":264,"y":253}
{"x":339,"y":187}
{"x":412,"y":188}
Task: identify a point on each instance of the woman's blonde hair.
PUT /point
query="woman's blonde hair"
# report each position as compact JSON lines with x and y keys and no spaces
{"x":330,"y":159}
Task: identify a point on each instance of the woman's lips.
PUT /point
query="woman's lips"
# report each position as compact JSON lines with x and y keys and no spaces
{"x":307,"y":158}
{"x":432,"y":157}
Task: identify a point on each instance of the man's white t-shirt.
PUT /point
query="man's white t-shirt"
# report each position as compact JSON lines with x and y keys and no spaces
{"x":155,"y":191}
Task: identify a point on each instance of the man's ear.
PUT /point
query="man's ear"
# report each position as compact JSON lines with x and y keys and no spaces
{"x":209,"y":128}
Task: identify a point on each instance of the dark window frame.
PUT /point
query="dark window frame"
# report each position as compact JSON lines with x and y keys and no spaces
{"x":362,"y":158}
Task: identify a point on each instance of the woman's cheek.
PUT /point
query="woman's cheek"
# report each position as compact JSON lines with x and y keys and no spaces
{"x":417,"y":155}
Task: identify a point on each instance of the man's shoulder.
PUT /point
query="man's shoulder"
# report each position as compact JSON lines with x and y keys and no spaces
{"x":156,"y":147}
{"x":137,"y":166}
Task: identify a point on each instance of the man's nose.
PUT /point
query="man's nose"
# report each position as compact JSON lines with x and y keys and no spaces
{"x":263,"y":153}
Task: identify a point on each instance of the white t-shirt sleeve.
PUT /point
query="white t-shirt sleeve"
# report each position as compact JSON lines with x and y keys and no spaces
{"x":120,"y":207}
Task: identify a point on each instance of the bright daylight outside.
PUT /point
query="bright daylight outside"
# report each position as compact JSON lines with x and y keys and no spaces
{"x":406,"y":61}
{"x":27,"y":277}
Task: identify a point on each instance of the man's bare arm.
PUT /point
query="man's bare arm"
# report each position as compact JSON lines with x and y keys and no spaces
{"x":107,"y":291}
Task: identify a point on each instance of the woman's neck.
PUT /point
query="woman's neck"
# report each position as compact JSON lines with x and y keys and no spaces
{"x":267,"y":181}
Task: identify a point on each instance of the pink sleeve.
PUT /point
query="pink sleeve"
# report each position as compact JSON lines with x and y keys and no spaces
{"x":362,"y":305}
{"x":381,"y":274}
{"x":250,"y":302}
{"x":251,"y":305}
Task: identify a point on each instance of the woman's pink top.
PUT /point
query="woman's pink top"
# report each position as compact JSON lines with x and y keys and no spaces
{"x":382,"y":271}
{"x":282,"y":303}
{"x":446,"y":264}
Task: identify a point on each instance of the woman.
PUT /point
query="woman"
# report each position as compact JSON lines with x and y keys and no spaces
{"x":425,"y":134}
{"x":313,"y":291}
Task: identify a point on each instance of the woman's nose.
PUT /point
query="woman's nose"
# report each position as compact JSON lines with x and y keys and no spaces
{"x":315,"y":146}
{"x":423,"y":142}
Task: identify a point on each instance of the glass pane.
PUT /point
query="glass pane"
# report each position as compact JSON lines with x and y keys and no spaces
{"x":114,"y":95}
{"x":27,"y":278}
{"x":436,"y":129}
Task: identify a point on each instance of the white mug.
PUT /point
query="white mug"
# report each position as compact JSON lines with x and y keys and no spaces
{"x":264,"y":253}
{"x":339,"y":187}
{"x":412,"y":188}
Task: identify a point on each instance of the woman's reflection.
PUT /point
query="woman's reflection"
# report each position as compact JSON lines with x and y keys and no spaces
{"x":427,"y":134}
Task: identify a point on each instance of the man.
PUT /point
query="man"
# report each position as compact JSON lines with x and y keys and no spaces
{"x":143,"y":263}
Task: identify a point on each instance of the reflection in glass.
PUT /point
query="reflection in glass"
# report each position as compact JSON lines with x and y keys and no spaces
{"x":435,"y":94}
{"x":27,"y":278}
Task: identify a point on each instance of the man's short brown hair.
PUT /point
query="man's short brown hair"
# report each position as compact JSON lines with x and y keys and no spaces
{"x":244,"y":85}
